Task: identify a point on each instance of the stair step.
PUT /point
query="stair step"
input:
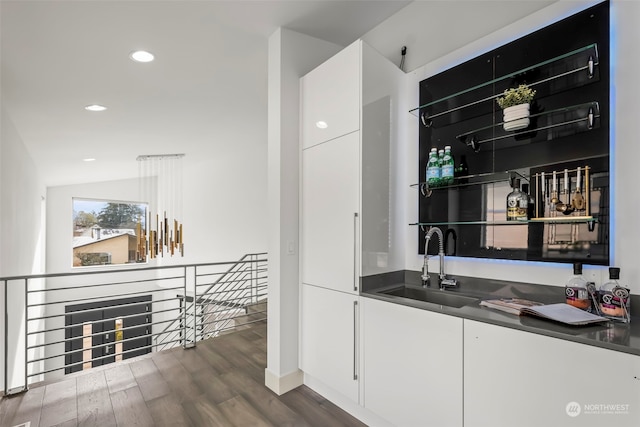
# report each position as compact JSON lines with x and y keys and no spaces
{"x":260,"y":306}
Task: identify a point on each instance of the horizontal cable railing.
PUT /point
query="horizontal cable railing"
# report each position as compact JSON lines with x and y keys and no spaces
{"x":224,"y":299}
{"x":57,"y":324}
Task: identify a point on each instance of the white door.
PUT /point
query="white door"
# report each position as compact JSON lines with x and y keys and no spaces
{"x":329,"y":338}
{"x":412,"y":370}
{"x":519,"y":378}
{"x":330,"y":214}
{"x":330,"y":98}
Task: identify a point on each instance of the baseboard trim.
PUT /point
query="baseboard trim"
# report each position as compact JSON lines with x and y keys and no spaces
{"x":285,"y":383}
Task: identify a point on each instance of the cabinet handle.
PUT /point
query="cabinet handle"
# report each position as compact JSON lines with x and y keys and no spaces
{"x":355,"y":340}
{"x":355,"y":251}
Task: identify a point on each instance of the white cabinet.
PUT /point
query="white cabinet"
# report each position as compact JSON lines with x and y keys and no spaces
{"x":345,"y":210}
{"x":329,"y":339}
{"x":331,"y":98}
{"x":347,"y":216}
{"x":412,"y":369}
{"x":330,"y":208}
{"x":518,"y":378}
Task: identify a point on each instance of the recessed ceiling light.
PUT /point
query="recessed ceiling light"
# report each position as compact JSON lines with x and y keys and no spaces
{"x":95,"y":107}
{"x":141,"y":56}
{"x":321,"y":125}
{"x":89,"y":159}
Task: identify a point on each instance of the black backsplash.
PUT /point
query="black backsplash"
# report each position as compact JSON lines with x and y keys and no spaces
{"x":542,"y":147}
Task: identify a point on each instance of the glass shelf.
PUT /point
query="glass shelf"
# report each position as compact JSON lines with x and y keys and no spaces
{"x":592,"y":112}
{"x":554,"y":220}
{"x":586,"y":105}
{"x":589,"y":67}
{"x":463,"y":181}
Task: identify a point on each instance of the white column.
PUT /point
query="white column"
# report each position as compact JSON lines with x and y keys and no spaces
{"x":291,"y":55}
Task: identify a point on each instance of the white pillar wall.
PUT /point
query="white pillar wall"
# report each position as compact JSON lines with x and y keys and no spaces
{"x":22,"y":235}
{"x":291,"y":55}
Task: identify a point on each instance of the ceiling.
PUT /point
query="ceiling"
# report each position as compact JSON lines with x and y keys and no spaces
{"x":205,"y":92}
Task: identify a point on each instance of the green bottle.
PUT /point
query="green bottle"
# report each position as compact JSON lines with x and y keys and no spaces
{"x":433,"y":169}
{"x":447,"y":167}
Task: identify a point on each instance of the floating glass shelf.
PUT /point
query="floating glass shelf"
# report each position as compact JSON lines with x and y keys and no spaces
{"x":589,"y":67}
{"x":464,"y":181}
{"x":553,"y":220}
{"x":592,"y":113}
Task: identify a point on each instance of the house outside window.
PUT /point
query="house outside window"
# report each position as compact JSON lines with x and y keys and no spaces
{"x":107,"y":232}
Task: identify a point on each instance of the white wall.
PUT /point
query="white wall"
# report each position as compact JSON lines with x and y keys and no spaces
{"x":291,"y":55}
{"x":408,"y":27}
{"x":433,"y":29}
{"x":224,"y":199}
{"x":22,"y":234}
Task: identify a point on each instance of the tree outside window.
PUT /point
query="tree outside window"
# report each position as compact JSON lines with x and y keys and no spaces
{"x":106,"y":232}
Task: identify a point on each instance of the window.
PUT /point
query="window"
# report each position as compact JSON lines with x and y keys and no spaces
{"x":107,"y":232}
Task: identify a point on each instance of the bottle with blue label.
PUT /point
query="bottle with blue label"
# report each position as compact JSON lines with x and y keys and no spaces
{"x":433,"y":169}
{"x":447,"y":168}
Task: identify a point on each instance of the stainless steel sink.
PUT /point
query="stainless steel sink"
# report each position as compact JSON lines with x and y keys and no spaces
{"x":431,"y":295}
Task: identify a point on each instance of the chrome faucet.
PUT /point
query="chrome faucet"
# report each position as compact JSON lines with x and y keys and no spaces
{"x":426,"y":279}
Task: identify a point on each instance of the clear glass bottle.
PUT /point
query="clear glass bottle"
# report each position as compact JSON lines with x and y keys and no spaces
{"x":433,"y":169}
{"x":615,"y":302}
{"x":576,"y":291}
{"x":447,"y":167}
{"x":516,"y":203}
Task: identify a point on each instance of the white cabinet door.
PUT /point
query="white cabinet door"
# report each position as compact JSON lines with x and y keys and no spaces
{"x":331,"y":94}
{"x":329,"y":338}
{"x":330,"y":205}
{"x":518,"y":378}
{"x":412,"y":369}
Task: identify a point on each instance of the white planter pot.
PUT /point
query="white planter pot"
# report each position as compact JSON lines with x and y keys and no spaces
{"x":516,"y":117}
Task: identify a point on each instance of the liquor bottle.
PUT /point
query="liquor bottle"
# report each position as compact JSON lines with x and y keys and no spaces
{"x":530,"y":202}
{"x":576,"y":289}
{"x":516,"y":203}
{"x":433,"y":169}
{"x":615,"y":301}
{"x":447,"y":167}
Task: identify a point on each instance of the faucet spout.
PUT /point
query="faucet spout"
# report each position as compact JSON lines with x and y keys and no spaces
{"x":444,"y":282}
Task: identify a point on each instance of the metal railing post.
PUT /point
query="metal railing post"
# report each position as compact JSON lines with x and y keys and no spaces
{"x":195,"y":306}
{"x":251,"y":279}
{"x":6,"y":338}
{"x":26,"y":333}
{"x":184,"y":309}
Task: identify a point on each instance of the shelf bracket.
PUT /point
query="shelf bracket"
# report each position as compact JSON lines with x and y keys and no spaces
{"x":425,"y":190}
{"x":473,"y":143}
{"x":590,"y":118}
{"x":590,"y":66}
{"x":425,"y":119}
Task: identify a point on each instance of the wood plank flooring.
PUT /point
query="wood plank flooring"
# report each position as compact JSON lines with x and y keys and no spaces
{"x":218,"y":383}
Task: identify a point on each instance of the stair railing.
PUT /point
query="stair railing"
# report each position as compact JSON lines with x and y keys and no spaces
{"x":220,"y":297}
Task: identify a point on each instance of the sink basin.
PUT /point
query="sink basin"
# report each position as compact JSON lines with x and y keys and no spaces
{"x":431,"y":295}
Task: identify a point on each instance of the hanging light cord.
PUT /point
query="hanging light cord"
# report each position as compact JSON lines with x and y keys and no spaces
{"x":404,"y":54}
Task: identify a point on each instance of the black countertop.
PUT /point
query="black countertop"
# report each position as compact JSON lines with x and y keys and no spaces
{"x":610,"y":335}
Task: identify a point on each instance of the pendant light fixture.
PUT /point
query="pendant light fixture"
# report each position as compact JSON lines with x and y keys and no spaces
{"x":160,"y":185}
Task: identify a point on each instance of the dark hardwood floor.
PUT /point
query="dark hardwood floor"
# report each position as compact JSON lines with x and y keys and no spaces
{"x":218,"y":383}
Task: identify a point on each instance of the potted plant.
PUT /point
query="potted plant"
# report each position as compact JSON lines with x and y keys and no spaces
{"x":515,"y":104}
